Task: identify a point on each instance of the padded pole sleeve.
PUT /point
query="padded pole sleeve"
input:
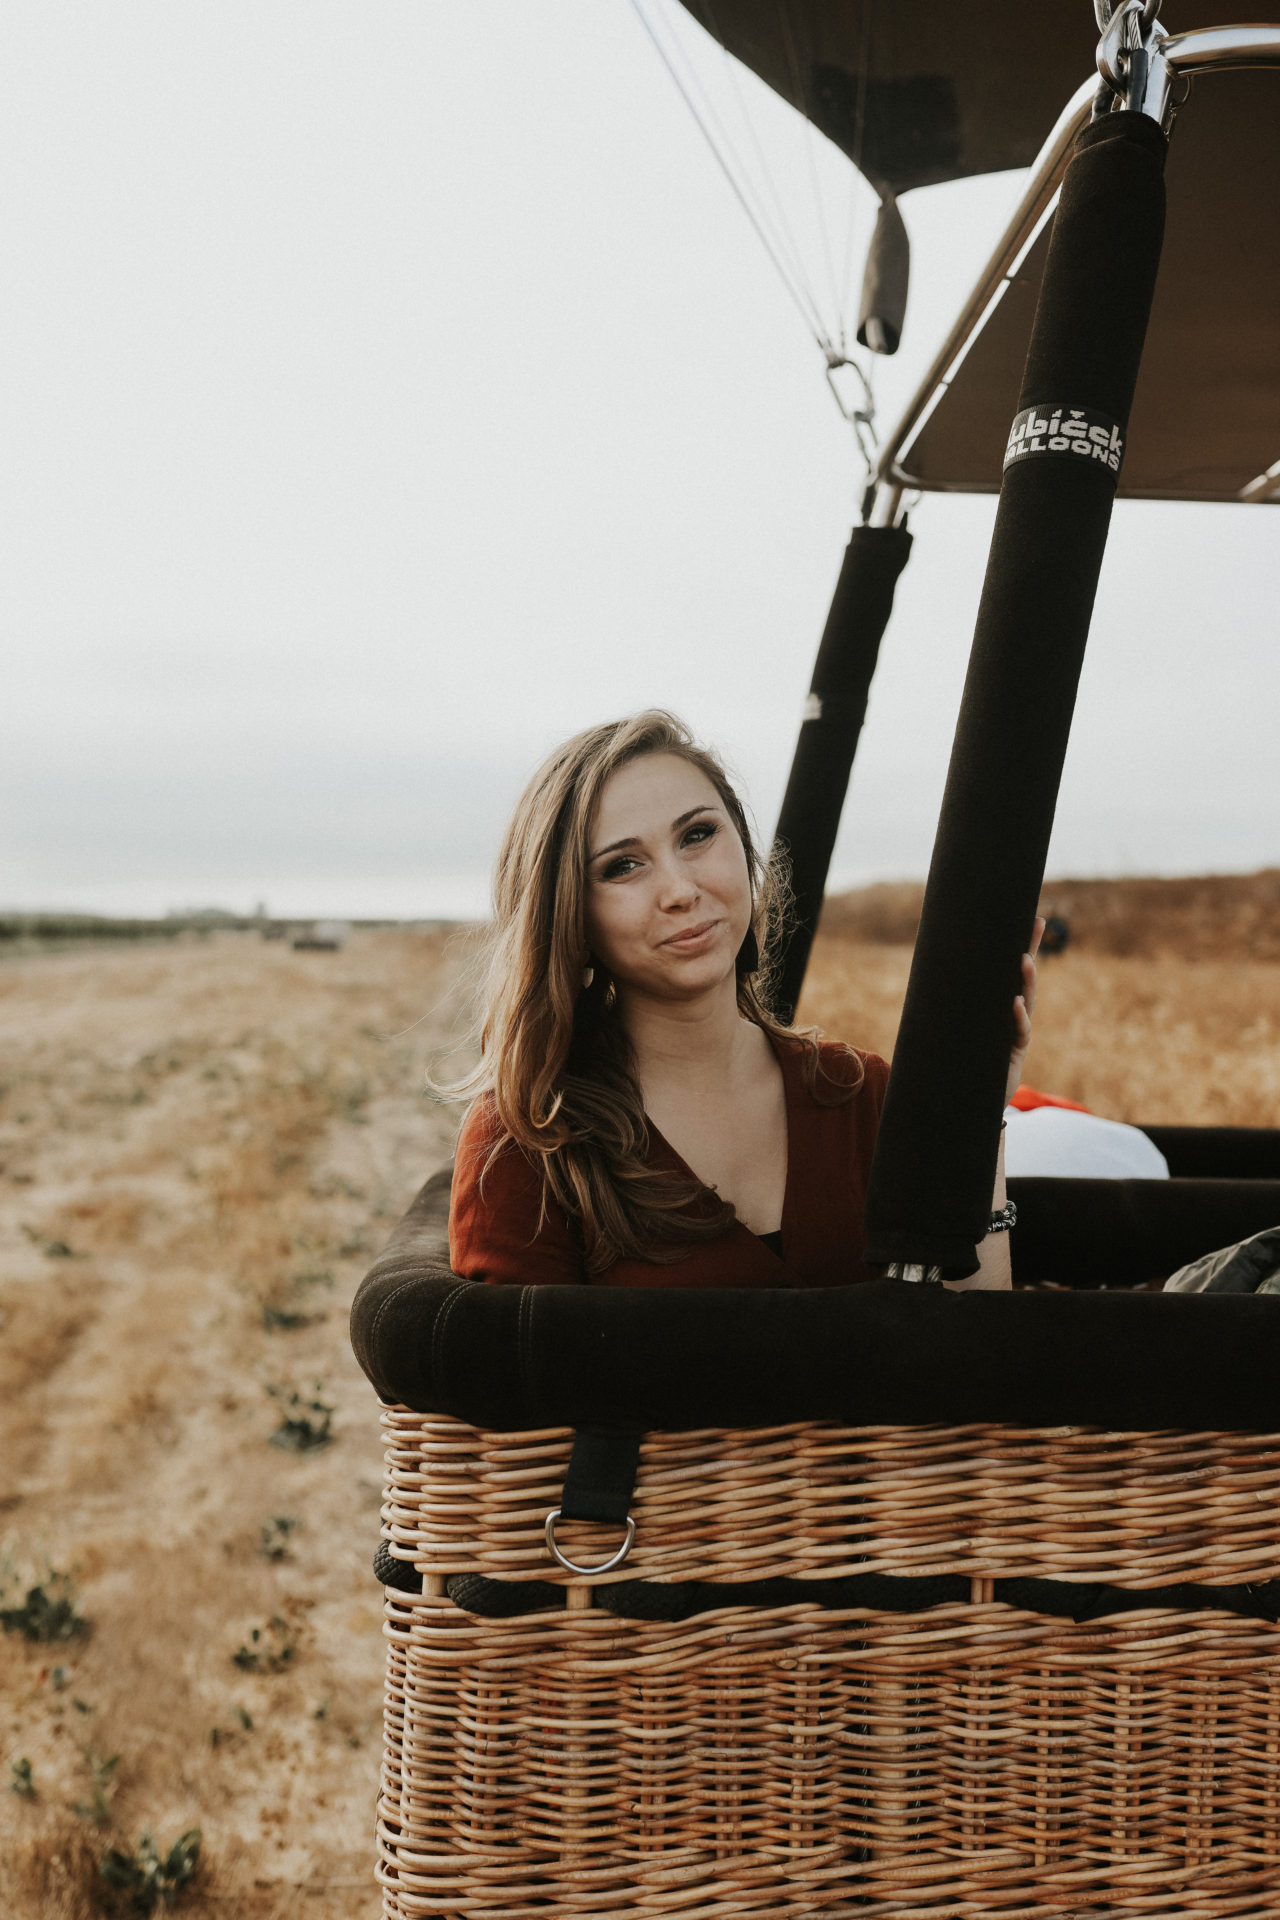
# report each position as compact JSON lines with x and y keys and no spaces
{"x":834,"y":712}
{"x":930,"y":1191}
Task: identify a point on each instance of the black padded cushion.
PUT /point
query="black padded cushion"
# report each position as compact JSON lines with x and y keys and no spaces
{"x":1219,"y":1153}
{"x":1124,"y":1233}
{"x":512,"y":1358}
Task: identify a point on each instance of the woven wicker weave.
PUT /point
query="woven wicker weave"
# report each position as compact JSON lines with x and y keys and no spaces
{"x":971,"y":1760}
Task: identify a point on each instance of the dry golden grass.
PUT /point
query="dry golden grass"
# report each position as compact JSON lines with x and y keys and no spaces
{"x":194,"y":1134}
{"x":1162,"y":1042}
{"x":1165,"y":1007}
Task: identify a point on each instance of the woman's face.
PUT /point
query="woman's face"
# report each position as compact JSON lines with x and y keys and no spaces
{"x":668,"y":897}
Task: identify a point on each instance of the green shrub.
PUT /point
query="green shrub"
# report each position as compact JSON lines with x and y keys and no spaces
{"x":245,"y":1719}
{"x":269,"y":1649}
{"x":149,"y":1878}
{"x":48,"y":1612}
{"x":284,"y":1319}
{"x":321,"y":1277}
{"x":307,"y":1423}
{"x":96,"y":1807}
{"x":273,"y":1538}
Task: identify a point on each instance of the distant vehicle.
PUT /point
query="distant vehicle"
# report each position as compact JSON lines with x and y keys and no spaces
{"x":323,"y":936}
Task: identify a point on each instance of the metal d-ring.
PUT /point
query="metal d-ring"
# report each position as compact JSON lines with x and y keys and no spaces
{"x":571,"y":1566}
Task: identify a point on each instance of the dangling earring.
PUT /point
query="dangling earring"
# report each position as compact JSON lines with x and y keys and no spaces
{"x":748,"y":959}
{"x":588,"y":975}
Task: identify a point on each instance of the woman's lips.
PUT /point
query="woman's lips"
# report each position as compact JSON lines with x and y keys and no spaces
{"x":692,"y":936}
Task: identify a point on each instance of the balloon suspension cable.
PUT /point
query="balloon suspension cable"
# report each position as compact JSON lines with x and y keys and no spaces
{"x":861,"y":418}
{"x":770,"y":226}
{"x":735,"y":175}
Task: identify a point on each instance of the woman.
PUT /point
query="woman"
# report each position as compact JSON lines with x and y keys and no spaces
{"x":643,"y":1120}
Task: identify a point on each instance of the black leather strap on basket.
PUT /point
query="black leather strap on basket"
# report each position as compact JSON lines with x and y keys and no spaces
{"x":598,"y":1486}
{"x":602,"y":1475}
{"x":834,"y":713}
{"x":930,"y":1190}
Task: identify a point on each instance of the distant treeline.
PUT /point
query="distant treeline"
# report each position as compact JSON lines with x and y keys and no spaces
{"x":92,"y":926}
{"x":51,"y":928}
{"x":1198,"y":917}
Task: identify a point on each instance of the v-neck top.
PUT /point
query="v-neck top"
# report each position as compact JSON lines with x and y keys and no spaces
{"x":495,"y":1234}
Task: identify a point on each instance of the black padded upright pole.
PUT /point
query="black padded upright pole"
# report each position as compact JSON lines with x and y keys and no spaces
{"x":834,"y":712}
{"x":930,"y":1191}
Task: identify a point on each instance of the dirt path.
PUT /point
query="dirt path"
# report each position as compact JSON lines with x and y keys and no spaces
{"x":202,"y":1147}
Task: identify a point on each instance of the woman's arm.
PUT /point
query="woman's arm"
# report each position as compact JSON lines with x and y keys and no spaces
{"x":995,"y":1267}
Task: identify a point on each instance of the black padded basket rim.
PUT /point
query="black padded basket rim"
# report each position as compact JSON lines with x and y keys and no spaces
{"x":520,"y":1358}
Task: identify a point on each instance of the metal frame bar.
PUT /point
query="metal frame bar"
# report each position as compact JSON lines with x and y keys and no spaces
{"x":1204,"y":50}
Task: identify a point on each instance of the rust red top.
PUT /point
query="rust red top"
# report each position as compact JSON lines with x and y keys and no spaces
{"x":495,"y":1235}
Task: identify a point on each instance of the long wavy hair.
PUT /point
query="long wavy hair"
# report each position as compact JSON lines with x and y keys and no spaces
{"x":556,"y":1062}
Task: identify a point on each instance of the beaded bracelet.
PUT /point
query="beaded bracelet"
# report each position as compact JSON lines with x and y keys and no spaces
{"x":1000,"y":1222}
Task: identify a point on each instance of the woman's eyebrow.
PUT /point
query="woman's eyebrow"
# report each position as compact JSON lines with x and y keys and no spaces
{"x":633,"y":839}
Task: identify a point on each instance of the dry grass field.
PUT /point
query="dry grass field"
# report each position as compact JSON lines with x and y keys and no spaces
{"x":201,"y":1147}
{"x":1164,"y":1008}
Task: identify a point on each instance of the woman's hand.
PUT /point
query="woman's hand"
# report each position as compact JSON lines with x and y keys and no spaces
{"x":1023,"y":1007}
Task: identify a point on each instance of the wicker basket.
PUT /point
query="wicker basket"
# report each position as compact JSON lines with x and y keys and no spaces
{"x":972,"y":1759}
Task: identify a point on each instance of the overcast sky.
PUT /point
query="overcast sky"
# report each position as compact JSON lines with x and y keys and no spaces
{"x":391,"y":387}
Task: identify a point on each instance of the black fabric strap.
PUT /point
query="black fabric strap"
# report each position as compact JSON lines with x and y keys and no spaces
{"x":880,"y":1592}
{"x":682,"y":1599}
{"x":602,"y":1475}
{"x":886,"y":1592}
